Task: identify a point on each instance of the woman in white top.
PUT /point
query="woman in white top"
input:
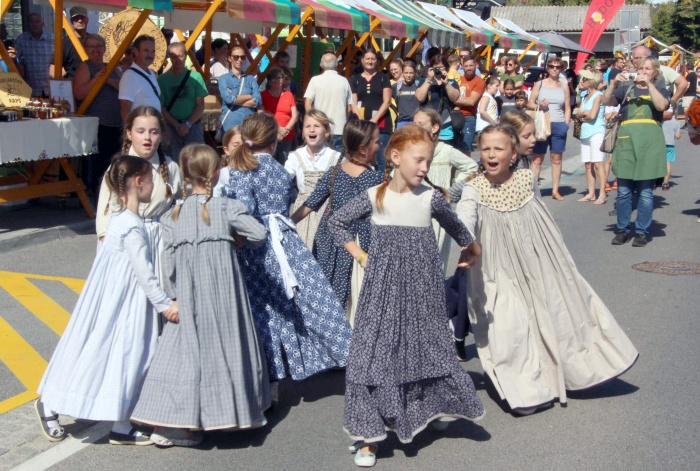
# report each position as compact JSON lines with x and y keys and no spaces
{"x":221,"y":65}
{"x":591,"y":114}
{"x":488,"y":108}
{"x":307,"y":165}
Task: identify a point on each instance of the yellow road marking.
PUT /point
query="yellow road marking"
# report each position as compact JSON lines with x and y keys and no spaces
{"x":21,"y":359}
{"x":35,"y":300}
{"x":24,"y":362}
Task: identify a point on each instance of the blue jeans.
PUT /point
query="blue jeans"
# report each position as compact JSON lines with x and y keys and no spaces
{"x":337,"y":142}
{"x":468,"y":134}
{"x":645,"y":204}
{"x":381,"y":160}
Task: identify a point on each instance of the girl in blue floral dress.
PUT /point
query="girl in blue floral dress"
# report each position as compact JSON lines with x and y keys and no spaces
{"x":297,"y":314}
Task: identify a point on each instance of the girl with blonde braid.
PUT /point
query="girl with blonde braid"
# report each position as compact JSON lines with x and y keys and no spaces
{"x":302,"y":324}
{"x":208,"y":372}
{"x":100,"y":363}
{"x":402,"y":373}
{"x":143,"y":133}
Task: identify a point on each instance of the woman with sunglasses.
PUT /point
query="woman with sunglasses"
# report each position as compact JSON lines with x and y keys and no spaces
{"x":512,"y":72}
{"x":551,"y":94}
{"x":240,"y":93}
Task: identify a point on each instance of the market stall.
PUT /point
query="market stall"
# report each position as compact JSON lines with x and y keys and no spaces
{"x":44,"y":142}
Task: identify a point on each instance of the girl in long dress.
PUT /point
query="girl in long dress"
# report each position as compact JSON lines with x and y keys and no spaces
{"x":208,"y":372}
{"x":307,"y":165}
{"x":98,"y":368}
{"x":539,"y":327}
{"x":143,"y":135}
{"x":402,"y":373}
{"x":297,"y":314}
{"x":351,"y":176}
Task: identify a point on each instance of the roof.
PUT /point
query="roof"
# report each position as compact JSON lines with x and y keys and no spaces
{"x":562,"y":18}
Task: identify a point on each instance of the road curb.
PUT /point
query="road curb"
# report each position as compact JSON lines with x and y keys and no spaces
{"x":40,"y":236}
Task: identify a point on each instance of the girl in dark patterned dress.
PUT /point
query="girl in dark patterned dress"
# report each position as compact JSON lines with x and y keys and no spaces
{"x":351,"y":176}
{"x":402,"y":372}
{"x":301,"y":322}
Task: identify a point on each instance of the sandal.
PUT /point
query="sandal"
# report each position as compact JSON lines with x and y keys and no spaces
{"x":600,"y":201}
{"x":557,"y":196}
{"x":54,"y":434}
{"x":665,"y":186}
{"x":366,"y":460}
{"x":585,"y":199}
{"x":608,"y":187}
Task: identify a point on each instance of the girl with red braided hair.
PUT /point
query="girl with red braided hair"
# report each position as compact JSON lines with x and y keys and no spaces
{"x":402,"y":373}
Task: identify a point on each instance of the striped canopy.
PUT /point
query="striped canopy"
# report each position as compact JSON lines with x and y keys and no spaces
{"x":337,"y":16}
{"x":271,"y":11}
{"x":505,"y":40}
{"x":391,"y":24}
{"x":438,"y":32}
{"x":444,"y":13}
{"x":541,"y":46}
{"x":161,"y":5}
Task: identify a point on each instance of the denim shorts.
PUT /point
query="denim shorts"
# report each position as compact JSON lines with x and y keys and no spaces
{"x":556,"y":142}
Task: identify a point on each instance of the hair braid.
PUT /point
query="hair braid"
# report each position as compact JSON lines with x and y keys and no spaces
{"x":121,"y":183}
{"x":329,"y":210}
{"x":205,"y":211}
{"x":126,"y":144}
{"x":176,"y":210}
{"x":479,"y":171}
{"x":441,"y":189}
{"x":164,"y":172}
{"x":381,"y":191}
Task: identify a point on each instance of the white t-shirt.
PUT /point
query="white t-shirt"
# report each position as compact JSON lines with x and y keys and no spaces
{"x":218,"y":69}
{"x":134,"y":88}
{"x":331,"y":94}
{"x":320,"y":162}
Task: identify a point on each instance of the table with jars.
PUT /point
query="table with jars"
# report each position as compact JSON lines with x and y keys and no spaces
{"x":35,"y":138}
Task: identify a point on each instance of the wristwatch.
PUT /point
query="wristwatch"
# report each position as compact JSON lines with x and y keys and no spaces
{"x":188,"y":124}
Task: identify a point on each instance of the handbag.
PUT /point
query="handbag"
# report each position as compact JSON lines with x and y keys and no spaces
{"x":543,"y":128}
{"x":577,"y":128}
{"x":612,"y":127}
{"x":219,"y":136}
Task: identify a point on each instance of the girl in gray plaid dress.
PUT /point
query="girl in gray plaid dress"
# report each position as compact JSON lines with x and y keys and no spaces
{"x":402,"y":372}
{"x":208,"y":372}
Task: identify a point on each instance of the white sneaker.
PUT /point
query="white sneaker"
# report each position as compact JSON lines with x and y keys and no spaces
{"x":366,"y":460}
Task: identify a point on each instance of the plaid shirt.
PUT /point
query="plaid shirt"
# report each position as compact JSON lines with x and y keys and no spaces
{"x":36,"y":55}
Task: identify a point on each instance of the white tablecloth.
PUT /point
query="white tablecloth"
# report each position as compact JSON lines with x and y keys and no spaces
{"x":37,"y":139}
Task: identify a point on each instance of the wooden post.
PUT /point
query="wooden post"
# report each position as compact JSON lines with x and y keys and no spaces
{"x":128,"y":39}
{"x":529,"y":46}
{"x":393,"y":52}
{"x":271,"y":39}
{"x":58,"y":39}
{"x":534,"y":59}
{"x":306,"y":74}
{"x":415,"y":46}
{"x":211,"y":9}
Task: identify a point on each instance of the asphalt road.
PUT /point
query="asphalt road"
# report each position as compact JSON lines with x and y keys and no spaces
{"x":646,"y":419}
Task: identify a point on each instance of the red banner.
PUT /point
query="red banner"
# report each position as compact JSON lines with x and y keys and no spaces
{"x":600,"y":14}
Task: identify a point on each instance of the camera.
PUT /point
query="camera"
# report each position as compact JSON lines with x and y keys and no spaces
{"x":437,"y":73}
{"x":632,"y":76}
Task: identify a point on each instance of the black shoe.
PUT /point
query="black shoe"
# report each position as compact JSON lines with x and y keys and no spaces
{"x":640,"y":240}
{"x":620,"y":238}
{"x":461,"y":350}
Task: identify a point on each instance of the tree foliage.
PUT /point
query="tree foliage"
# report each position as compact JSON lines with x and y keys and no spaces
{"x":678,"y":23}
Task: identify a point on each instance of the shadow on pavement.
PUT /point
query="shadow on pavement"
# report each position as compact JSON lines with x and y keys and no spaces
{"x":613,"y":388}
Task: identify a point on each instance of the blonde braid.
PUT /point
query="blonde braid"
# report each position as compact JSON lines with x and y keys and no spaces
{"x":126,"y":145}
{"x":176,"y":210}
{"x":164,"y":172}
{"x":205,"y":211}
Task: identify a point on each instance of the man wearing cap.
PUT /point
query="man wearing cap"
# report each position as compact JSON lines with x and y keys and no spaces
{"x":79,"y":19}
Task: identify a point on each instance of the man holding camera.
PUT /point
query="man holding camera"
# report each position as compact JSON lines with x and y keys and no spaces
{"x":439,"y":93}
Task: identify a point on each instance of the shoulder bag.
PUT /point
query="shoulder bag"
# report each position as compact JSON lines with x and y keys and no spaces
{"x":612,"y":127}
{"x":178,"y":91}
{"x":145,"y":77}
{"x":456,"y":116}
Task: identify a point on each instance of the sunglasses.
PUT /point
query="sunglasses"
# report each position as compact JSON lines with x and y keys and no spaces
{"x":558,"y":67}
{"x":237,"y":58}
